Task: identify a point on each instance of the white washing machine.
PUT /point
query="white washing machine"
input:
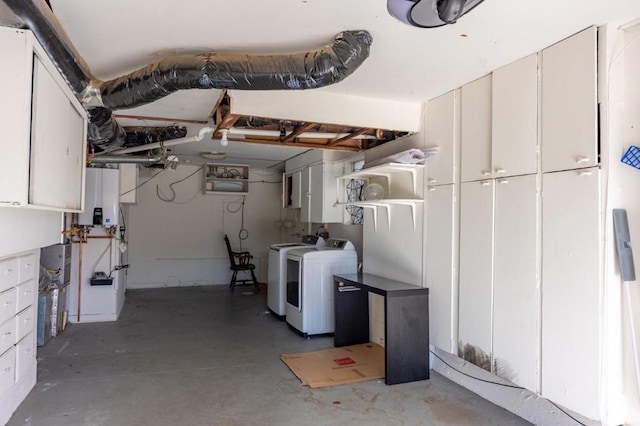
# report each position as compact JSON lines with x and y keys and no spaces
{"x":309,"y":307}
{"x":277,"y":276}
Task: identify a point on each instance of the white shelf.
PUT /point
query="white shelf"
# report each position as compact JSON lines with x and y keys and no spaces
{"x":386,"y":170}
{"x":226,"y":179}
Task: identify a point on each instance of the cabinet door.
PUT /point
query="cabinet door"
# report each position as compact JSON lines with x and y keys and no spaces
{"x":57,"y":145}
{"x":515,"y":302}
{"x":305,"y":195}
{"x":571,"y":304}
{"x":475,"y":130}
{"x":476,"y":272}
{"x":316,"y":185}
{"x":569,"y":102}
{"x":515,"y":118}
{"x":128,"y":183}
{"x":440,"y":266}
{"x":442,"y":131}
{"x":296,"y":198}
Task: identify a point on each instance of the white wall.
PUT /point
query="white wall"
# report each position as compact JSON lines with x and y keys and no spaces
{"x":174,"y":244}
{"x":620,"y":98}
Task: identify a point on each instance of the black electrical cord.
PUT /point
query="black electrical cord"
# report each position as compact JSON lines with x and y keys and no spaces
{"x":148,"y":180}
{"x":505,"y":385}
{"x":173,"y":197}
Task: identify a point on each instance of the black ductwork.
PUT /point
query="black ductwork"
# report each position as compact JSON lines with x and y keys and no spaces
{"x":137,"y":136}
{"x":299,"y":71}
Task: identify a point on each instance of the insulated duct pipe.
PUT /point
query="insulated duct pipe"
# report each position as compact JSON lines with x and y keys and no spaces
{"x":109,"y":159}
{"x":173,"y":142}
{"x":299,"y":71}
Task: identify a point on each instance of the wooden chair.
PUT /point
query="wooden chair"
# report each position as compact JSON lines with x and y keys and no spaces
{"x":240,"y":261}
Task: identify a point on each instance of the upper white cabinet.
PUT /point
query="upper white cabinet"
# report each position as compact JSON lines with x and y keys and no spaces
{"x":569,"y":103}
{"x":291,"y":193}
{"x":475,"y":130}
{"x":442,"y":131}
{"x":44,"y":129}
{"x":515,"y":118}
{"x":319,"y":193}
{"x":225,"y":178}
{"x":128,"y":183}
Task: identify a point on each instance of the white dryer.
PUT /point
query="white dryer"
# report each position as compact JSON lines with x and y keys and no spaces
{"x":277,"y":277}
{"x":309,"y":307}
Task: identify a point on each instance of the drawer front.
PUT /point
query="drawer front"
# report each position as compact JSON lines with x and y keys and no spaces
{"x":25,"y":355}
{"x":27,"y":268}
{"x":8,"y":302}
{"x":25,"y":322}
{"x":26,"y":295}
{"x":8,"y":274}
{"x":7,"y":334}
{"x":7,"y":370}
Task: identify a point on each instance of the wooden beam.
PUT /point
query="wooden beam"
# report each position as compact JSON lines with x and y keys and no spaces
{"x":297,"y":132}
{"x":348,"y":137}
{"x":296,"y":144}
{"x":227,"y":122}
{"x":217,"y":104}
{"x":173,"y":120}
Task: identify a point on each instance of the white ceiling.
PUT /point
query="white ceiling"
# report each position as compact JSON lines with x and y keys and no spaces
{"x":406,"y":63}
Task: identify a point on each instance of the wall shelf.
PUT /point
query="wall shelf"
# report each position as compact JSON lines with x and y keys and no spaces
{"x":386,"y":171}
{"x":225,"y":179}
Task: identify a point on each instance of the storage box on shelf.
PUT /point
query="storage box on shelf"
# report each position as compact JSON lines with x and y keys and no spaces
{"x":395,"y":192}
{"x":17,"y":330}
{"x":225,"y":179}
{"x":44,"y":129}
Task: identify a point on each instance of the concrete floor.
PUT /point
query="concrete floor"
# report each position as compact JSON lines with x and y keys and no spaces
{"x":204,"y":356}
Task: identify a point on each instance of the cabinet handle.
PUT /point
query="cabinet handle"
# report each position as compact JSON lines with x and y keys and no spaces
{"x":485,"y":183}
{"x":7,"y":370}
{"x":499,"y":170}
{"x":486,"y":173}
{"x":431,"y":188}
{"x":585,"y":173}
{"x":432,"y":181}
{"x":503,"y":181}
{"x":582,"y":160}
{"x":8,"y":333}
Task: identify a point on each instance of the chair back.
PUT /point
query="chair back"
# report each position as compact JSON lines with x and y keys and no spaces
{"x":232,"y":259}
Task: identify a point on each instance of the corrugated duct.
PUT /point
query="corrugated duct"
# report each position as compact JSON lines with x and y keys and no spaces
{"x":298,"y":71}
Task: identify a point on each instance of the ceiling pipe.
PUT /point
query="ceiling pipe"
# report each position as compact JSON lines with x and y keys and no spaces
{"x":164,"y":144}
{"x":113,"y":159}
{"x":310,"y":135}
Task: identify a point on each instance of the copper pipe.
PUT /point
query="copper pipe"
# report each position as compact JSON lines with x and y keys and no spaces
{"x":79,"y":276}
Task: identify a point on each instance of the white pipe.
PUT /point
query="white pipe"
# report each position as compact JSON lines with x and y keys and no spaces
{"x":632,"y":327}
{"x":258,"y":132}
{"x":171,"y":142}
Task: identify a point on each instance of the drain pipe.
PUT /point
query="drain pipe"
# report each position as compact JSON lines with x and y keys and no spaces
{"x":164,"y":144}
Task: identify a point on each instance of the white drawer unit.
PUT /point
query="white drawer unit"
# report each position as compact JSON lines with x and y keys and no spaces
{"x":7,"y":334}
{"x":25,"y":355}
{"x":26,"y":295}
{"x":8,"y":274}
{"x":25,"y":322}
{"x":7,"y":370}
{"x":7,"y":304}
{"x":18,"y":275}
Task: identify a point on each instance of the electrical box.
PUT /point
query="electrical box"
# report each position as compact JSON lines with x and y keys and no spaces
{"x":102,"y":197}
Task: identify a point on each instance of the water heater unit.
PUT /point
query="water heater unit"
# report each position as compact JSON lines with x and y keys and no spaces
{"x":102,"y":197}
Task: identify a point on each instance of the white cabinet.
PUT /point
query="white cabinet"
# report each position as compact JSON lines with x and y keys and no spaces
{"x":476,"y":272}
{"x":291,"y":190}
{"x":441,"y":266}
{"x":319,"y":193}
{"x":515,"y":118}
{"x":515,"y":297}
{"x":569,"y":103}
{"x":128,"y":183}
{"x":442,"y":130}
{"x":475,"y":130}
{"x":18,"y":302}
{"x":44,"y":129}
{"x":225,"y":179}
{"x":571,"y":303}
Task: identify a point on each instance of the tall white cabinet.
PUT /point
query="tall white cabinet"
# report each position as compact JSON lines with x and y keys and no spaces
{"x":44,"y":129}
